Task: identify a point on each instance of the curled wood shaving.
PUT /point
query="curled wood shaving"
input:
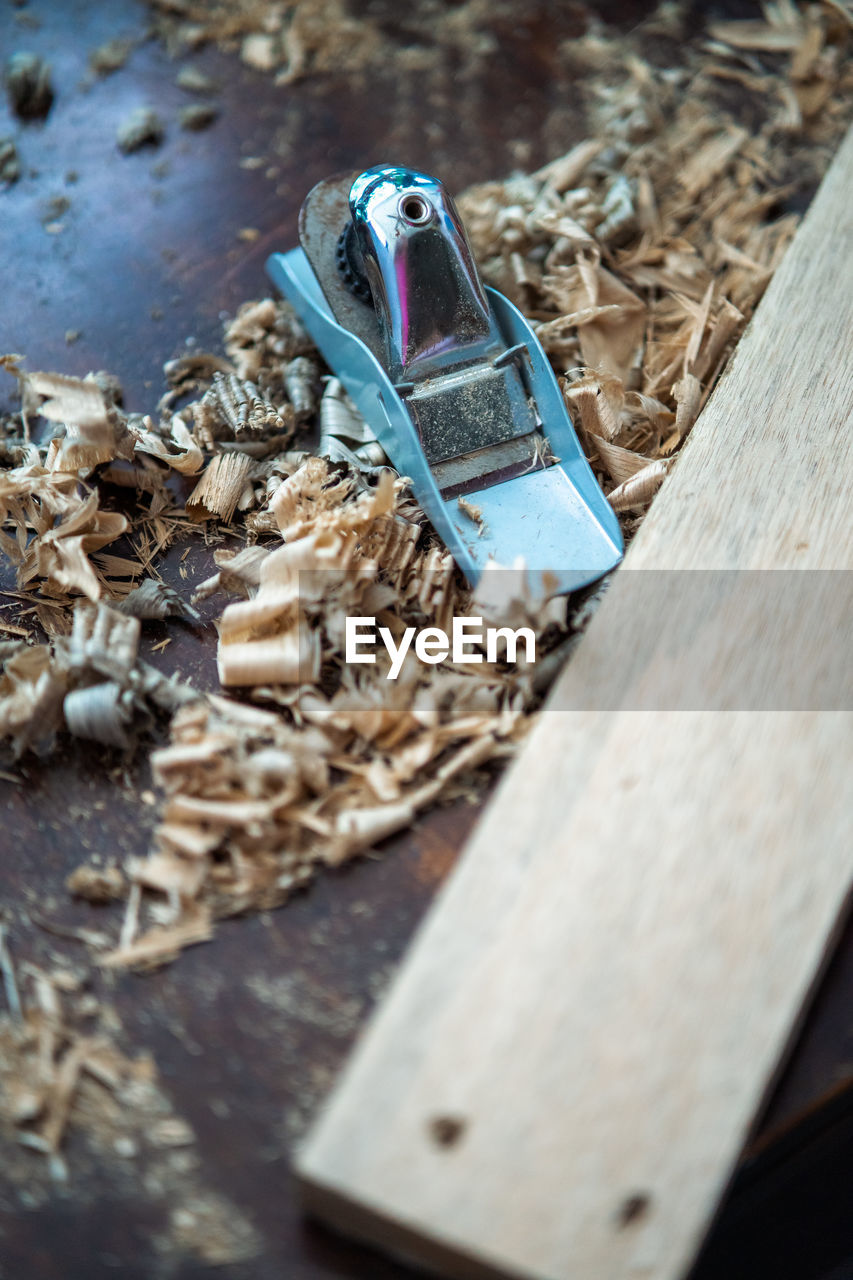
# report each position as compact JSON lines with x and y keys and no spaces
{"x":90,"y":684}
{"x":175,"y":447}
{"x":260,"y":341}
{"x":639,"y":490}
{"x":154,"y":600}
{"x":32,"y":689}
{"x":621,"y":464}
{"x":301,"y":381}
{"x":344,"y":435}
{"x":239,"y":572}
{"x":94,"y":429}
{"x":234,"y":408}
{"x":56,"y":527}
{"x":100,"y":712}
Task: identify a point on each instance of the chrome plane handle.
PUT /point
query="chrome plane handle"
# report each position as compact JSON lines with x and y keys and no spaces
{"x":432,"y":310}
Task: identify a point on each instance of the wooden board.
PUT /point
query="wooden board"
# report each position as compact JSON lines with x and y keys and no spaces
{"x":563,"y":1075}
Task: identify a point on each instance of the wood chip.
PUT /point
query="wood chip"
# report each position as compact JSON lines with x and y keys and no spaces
{"x":220,"y":487}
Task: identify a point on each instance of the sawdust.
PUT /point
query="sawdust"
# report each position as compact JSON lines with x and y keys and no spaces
{"x":65,"y":1083}
{"x":642,"y":253}
{"x":639,"y":256}
{"x":316,"y":37}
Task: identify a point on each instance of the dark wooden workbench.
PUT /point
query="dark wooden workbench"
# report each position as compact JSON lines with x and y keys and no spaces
{"x":248,"y":1031}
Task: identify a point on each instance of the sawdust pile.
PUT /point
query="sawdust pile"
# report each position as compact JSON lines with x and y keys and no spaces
{"x":60,"y":1068}
{"x":256,"y":799}
{"x":312,"y":37}
{"x":644,"y":251}
{"x":639,"y":255}
{"x":65,"y":1082}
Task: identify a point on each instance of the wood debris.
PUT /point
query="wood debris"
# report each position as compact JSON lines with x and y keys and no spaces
{"x":94,"y":428}
{"x":220,"y":488}
{"x":142,"y":128}
{"x":473,"y":513}
{"x":154,"y":600}
{"x":198,"y":116}
{"x":66,"y":526}
{"x":97,"y":884}
{"x":58,"y":1071}
{"x":193,"y":80}
{"x":639,"y":255}
{"x":29,"y":86}
{"x":90,"y":684}
{"x":110,"y":56}
{"x":10,"y":162}
{"x":161,"y":943}
{"x":234,"y":409}
{"x":642,"y":254}
{"x":66,"y":1083}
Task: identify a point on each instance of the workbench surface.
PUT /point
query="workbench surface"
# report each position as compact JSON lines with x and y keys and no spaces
{"x":248,"y":1031}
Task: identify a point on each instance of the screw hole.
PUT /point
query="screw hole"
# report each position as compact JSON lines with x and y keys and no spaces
{"x":633,"y":1208}
{"x":446,"y":1131}
{"x":415,"y":209}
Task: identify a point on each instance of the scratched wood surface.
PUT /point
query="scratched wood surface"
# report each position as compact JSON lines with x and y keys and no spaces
{"x":249,"y":1032}
{"x":566,"y":1068}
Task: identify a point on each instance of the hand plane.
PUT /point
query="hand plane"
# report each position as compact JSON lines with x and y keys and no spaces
{"x":449,"y":376}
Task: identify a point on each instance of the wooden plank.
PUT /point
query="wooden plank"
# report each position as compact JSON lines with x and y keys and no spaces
{"x":562,"y":1077}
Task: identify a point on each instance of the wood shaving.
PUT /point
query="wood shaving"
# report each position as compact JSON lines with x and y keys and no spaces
{"x":162,"y":943}
{"x":234,"y":409}
{"x":90,"y":684}
{"x":639,"y":490}
{"x":173,"y":445}
{"x":66,"y":526}
{"x":220,"y":488}
{"x":154,"y":600}
{"x":101,"y":713}
{"x":473,"y":513}
{"x":95,"y":431}
{"x":97,"y":884}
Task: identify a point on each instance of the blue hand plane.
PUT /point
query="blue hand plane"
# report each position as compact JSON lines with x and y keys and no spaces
{"x":449,"y":376}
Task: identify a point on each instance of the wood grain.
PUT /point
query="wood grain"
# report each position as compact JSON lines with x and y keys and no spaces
{"x":564,"y":1073}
